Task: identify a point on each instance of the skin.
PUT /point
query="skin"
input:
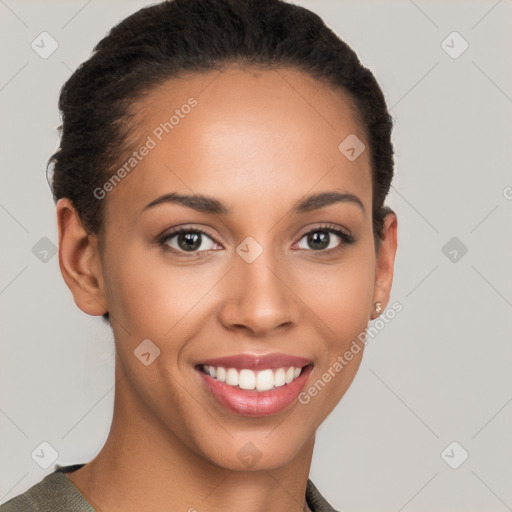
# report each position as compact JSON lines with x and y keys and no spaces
{"x":259,"y":141}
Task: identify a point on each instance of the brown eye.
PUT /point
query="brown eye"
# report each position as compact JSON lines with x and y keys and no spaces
{"x":188,"y":240}
{"x":325,"y":239}
{"x":319,"y":240}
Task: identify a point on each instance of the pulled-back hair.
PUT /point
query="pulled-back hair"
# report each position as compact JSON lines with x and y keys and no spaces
{"x":166,"y":40}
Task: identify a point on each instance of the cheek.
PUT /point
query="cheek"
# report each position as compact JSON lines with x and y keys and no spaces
{"x":133,"y":290}
{"x":149,"y":296}
{"x":341,"y":295}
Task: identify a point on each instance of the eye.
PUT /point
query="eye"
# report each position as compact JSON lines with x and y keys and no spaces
{"x":321,"y":239}
{"x":180,"y":241}
{"x":191,"y":240}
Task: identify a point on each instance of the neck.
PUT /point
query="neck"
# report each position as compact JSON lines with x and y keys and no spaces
{"x":145,"y":466}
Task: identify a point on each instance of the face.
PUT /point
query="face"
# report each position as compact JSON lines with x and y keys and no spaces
{"x":260,"y":267}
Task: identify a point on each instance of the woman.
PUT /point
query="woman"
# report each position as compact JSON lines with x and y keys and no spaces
{"x":220,"y":188}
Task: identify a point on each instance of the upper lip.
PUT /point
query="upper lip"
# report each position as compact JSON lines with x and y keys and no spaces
{"x":258,"y":362}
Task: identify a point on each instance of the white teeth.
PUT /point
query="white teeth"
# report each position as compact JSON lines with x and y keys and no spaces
{"x":248,"y":379}
{"x":279,"y":378}
{"x":265,"y":380}
{"x":232,"y":377}
{"x":221,"y":374}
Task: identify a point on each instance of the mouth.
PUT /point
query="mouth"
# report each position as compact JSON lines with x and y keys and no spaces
{"x":248,"y":380}
{"x":254,"y":392}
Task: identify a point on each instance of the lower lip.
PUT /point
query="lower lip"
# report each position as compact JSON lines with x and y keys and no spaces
{"x":256,"y":403}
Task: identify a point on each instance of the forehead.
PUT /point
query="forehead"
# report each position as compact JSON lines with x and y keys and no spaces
{"x":243,"y":135}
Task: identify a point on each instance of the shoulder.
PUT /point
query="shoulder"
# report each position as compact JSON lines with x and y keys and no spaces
{"x":316,"y":502}
{"x":54,"y":493}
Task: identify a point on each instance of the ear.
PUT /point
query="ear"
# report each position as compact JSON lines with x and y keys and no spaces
{"x":79,"y":261}
{"x":385,"y":263}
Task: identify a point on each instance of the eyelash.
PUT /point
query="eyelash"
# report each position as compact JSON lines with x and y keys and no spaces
{"x":345,"y":237}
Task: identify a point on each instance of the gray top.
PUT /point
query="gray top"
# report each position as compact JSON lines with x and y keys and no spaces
{"x":56,"y":493}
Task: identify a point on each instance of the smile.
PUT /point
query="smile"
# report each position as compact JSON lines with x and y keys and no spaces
{"x":247,"y":379}
{"x":254,"y":385}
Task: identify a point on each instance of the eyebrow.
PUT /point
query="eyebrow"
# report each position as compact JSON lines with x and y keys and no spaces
{"x":206,"y":204}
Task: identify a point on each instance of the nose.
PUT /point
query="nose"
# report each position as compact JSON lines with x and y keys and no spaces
{"x":260,"y":299}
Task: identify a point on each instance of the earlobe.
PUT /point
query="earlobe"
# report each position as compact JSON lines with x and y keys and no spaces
{"x":385,"y":262}
{"x":79,"y":261}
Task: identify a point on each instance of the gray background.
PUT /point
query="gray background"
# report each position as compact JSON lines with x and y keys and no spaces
{"x":438,"y":373}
